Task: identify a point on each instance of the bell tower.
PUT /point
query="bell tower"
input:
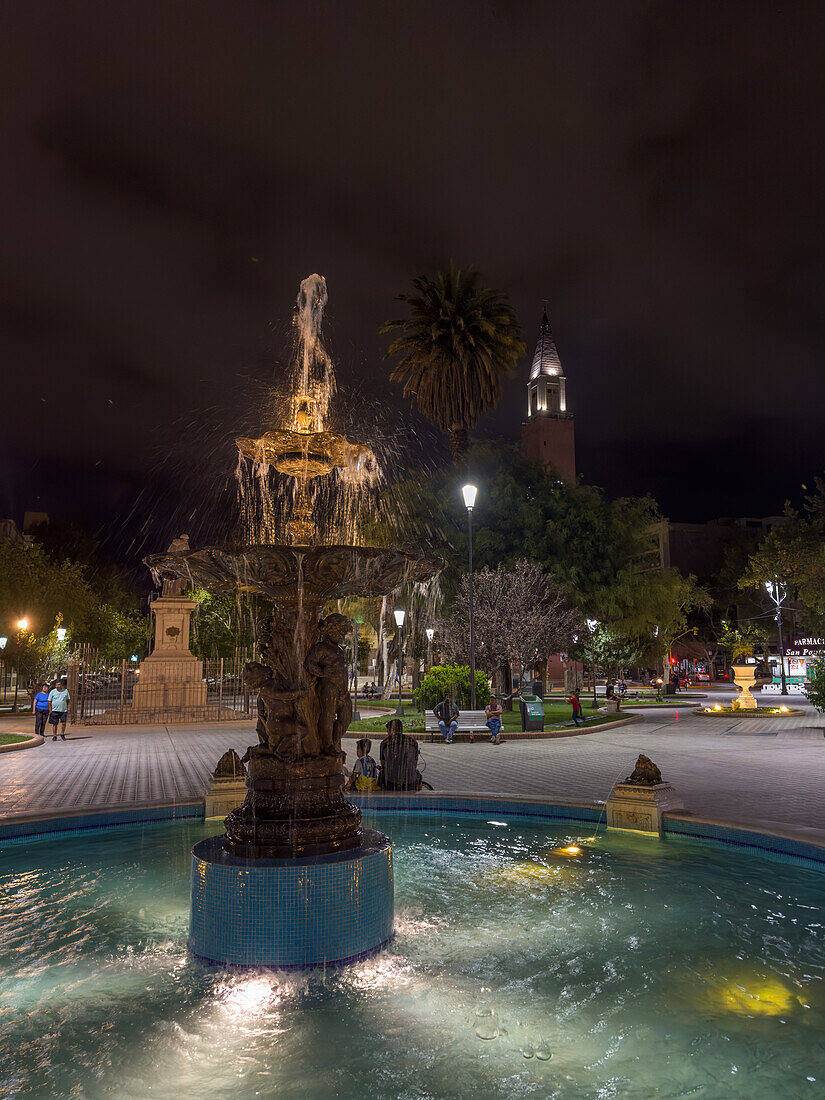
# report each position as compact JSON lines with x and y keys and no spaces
{"x":548,"y":432}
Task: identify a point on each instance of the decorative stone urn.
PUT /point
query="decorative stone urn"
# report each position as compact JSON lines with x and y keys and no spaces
{"x":745,"y":679}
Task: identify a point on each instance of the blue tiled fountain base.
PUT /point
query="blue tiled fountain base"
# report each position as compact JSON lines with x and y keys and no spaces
{"x":291,"y":912}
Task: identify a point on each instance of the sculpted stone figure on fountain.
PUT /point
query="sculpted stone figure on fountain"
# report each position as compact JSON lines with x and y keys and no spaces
{"x":326,"y":664}
{"x":296,"y":723}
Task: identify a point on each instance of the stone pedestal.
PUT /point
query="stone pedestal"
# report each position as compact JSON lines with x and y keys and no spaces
{"x":640,"y":806}
{"x":224,"y":796}
{"x":291,"y":912}
{"x":292,"y":808}
{"x":171,"y":678}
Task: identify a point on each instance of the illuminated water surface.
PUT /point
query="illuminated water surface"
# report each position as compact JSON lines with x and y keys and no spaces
{"x":528,"y":961}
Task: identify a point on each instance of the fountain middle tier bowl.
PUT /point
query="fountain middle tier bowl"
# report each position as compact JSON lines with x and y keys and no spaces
{"x":317,"y":573}
{"x":305,"y":454}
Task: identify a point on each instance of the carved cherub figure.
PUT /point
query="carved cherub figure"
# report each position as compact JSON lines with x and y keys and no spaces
{"x":326,"y":664}
{"x":645,"y":772}
{"x":278,"y":725}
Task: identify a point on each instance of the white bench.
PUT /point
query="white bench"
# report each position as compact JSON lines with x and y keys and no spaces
{"x":468,"y":721}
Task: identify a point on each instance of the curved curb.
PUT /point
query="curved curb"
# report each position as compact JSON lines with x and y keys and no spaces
{"x":513,"y":736}
{"x":31,"y":743}
{"x":760,"y":712}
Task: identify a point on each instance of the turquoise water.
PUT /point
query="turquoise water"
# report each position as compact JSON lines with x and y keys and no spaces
{"x":632,"y":969}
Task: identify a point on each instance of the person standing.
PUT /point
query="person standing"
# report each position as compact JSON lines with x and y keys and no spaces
{"x":40,"y":710}
{"x":575,"y":703}
{"x":447,"y":714}
{"x":493,"y":712}
{"x":59,"y":709}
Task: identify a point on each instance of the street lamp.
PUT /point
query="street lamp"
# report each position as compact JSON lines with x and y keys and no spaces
{"x":777,"y":593}
{"x":592,"y":626}
{"x":356,"y":715}
{"x":22,"y":624}
{"x":430,"y":635}
{"x":3,"y":642}
{"x":399,"y":622}
{"x":469,"y":494}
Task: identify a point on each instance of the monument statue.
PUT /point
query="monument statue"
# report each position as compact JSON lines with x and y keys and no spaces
{"x":174,"y":586}
{"x":645,"y":773}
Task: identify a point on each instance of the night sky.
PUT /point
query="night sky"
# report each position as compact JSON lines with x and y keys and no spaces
{"x":173,"y":170}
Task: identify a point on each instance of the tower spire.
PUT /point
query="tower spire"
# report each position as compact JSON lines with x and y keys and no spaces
{"x":547,"y":433}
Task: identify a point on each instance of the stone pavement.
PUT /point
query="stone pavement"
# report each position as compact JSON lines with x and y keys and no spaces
{"x":762,"y":772}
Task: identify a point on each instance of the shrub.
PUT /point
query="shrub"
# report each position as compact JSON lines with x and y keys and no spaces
{"x":455,"y":679}
{"x":815,"y":690}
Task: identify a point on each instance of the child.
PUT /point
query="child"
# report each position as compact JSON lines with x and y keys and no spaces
{"x":578,"y":717}
{"x":364,"y":775}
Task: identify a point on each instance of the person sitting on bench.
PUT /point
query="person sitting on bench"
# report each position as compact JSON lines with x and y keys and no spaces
{"x":399,"y":760}
{"x":447,"y":714}
{"x":494,"y":715}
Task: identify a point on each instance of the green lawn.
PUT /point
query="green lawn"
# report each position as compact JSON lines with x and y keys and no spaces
{"x":12,"y":738}
{"x":556,"y":716}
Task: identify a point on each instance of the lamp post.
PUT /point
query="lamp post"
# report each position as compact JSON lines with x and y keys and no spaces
{"x":3,"y":643}
{"x":430,"y":636}
{"x":469,"y":494}
{"x":777,"y":593}
{"x":592,"y":626}
{"x":356,"y":716}
{"x":399,"y":622}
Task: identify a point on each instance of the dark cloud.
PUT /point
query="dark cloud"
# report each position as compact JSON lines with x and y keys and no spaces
{"x":654,"y":169}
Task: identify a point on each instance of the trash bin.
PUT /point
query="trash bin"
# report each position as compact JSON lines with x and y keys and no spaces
{"x":670,"y":689}
{"x":532,"y":713}
{"x":538,"y":688}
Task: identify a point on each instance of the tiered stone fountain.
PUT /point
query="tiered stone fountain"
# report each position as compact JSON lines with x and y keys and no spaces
{"x":296,"y":881}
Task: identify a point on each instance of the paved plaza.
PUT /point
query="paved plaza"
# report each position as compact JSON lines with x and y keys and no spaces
{"x":762,"y":772}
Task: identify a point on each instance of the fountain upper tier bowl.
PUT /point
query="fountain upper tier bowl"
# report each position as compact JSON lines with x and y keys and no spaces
{"x":305,"y":455}
{"x":320,"y":573}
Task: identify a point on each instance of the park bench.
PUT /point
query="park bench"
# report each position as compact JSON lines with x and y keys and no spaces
{"x":469,"y":722}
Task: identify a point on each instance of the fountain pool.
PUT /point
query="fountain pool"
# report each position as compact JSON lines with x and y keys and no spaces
{"x":530,"y":959}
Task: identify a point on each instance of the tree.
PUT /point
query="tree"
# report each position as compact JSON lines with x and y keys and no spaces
{"x":815,"y":690}
{"x":794,"y":551}
{"x":520,"y":617}
{"x":36,"y":588}
{"x":453,"y":678}
{"x":456,"y":345}
{"x":602,"y":554}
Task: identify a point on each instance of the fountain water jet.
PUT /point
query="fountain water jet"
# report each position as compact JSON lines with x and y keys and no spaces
{"x":295,"y":880}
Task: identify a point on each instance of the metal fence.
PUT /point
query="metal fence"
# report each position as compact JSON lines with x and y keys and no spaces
{"x":209,"y":690}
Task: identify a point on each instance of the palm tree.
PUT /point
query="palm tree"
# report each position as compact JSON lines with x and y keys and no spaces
{"x":457,"y":344}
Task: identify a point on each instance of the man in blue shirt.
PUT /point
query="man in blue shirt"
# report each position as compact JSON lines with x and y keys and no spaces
{"x":40,"y":710}
{"x":59,"y":709}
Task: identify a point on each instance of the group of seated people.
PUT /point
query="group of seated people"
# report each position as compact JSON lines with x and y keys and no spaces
{"x":370,"y":691}
{"x":398,"y":767}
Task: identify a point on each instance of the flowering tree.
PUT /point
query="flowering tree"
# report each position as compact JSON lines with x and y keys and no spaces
{"x":520,"y":617}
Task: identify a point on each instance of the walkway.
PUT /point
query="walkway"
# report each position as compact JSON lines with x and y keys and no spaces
{"x":751,"y":771}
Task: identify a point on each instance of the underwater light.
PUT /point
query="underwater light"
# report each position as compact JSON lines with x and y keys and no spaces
{"x":717,"y":707}
{"x":783,"y":710}
{"x":570,"y":850}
